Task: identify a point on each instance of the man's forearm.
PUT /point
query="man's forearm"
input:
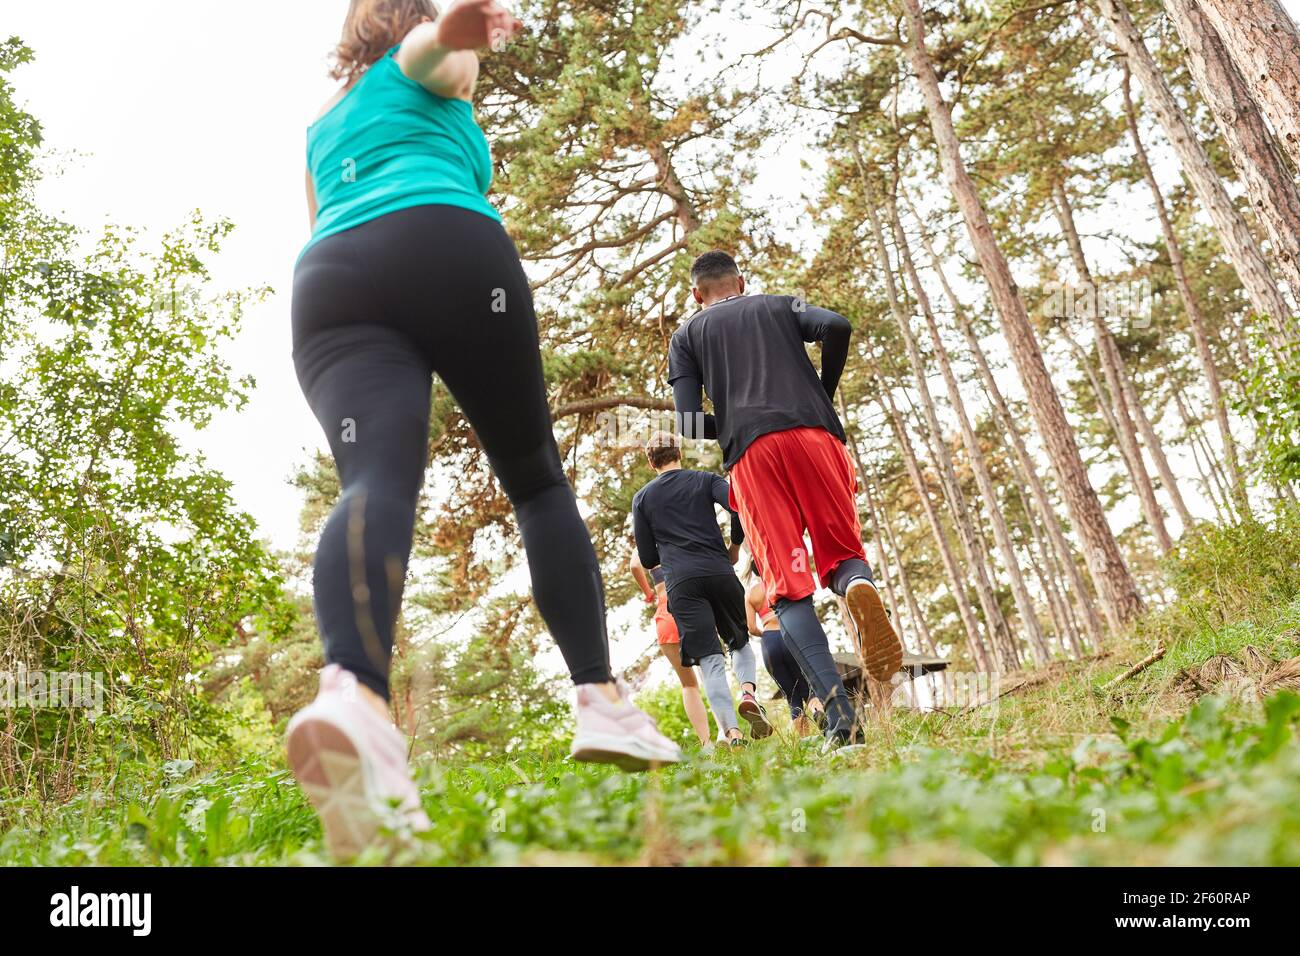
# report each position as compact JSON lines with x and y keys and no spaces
{"x":692,"y":421}
{"x":835,"y":352}
{"x":647,"y":549}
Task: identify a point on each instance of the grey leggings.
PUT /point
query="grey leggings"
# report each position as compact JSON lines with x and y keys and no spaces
{"x":718,"y":690}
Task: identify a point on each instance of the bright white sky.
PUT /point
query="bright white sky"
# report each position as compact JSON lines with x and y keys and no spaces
{"x":155,"y":108}
{"x":172,"y":107}
{"x":152,"y":109}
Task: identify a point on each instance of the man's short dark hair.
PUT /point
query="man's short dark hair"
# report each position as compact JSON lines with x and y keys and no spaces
{"x":712,"y":266}
{"x":663,"y":448}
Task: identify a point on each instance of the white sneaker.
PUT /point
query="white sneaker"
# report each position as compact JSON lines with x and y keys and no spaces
{"x":618,"y":733}
{"x":352,"y":765}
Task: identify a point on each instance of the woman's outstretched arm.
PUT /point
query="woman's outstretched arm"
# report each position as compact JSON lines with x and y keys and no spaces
{"x":440,"y":56}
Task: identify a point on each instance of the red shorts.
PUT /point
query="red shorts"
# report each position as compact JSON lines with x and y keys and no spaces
{"x":665,"y":626}
{"x":789,"y":482}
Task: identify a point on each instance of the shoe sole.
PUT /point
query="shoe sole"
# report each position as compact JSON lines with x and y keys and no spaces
{"x":332,"y":774}
{"x":843,"y":751}
{"x":878,"y":642}
{"x":626,"y":754}
{"x":751,"y":711}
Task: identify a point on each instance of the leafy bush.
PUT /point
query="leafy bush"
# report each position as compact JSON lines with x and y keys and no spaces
{"x":1221,"y":573}
{"x":1272,"y":402}
{"x":663,"y":702}
{"x":123,"y":556}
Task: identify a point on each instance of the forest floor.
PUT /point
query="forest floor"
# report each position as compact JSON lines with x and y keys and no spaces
{"x":1195,"y":760}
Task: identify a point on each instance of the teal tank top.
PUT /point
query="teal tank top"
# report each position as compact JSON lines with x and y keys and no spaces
{"x":389,"y":144}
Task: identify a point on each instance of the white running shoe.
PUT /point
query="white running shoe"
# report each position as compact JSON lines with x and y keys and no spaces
{"x":618,"y":733}
{"x":352,"y":765}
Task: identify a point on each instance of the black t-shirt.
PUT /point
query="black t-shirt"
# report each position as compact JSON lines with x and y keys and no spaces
{"x":748,"y":352}
{"x":676,"y":526}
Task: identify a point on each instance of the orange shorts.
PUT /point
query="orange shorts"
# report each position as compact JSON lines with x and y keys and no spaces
{"x":664,"y":623}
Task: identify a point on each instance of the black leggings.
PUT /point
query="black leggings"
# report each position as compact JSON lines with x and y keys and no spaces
{"x":780,"y":663}
{"x":377,"y":310}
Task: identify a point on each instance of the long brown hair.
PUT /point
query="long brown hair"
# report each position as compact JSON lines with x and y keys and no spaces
{"x":372,"y":28}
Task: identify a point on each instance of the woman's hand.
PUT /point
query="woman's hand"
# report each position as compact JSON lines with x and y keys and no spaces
{"x":471,"y":24}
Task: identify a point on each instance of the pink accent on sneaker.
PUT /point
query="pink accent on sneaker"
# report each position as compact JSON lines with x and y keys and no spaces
{"x":352,"y":765}
{"x":618,"y":733}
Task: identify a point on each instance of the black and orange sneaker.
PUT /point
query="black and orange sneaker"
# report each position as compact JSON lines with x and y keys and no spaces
{"x":878,"y":642}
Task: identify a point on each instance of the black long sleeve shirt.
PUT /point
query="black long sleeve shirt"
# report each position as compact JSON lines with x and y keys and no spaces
{"x":748,"y":355}
{"x":676,"y":526}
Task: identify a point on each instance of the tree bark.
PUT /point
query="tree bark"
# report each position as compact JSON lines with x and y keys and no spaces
{"x":1046,"y":509}
{"x":1265,"y":46}
{"x":904,"y":582}
{"x":1216,"y":488}
{"x":1111,"y":369}
{"x":983,"y":479}
{"x":956,"y":575}
{"x":882,"y":559}
{"x":1259,"y":166}
{"x":1002,"y":640}
{"x":1195,"y":318}
{"x":588,"y":405}
{"x":672,"y":186}
{"x":1127,"y":402}
{"x":1115,"y":585}
{"x":1234,"y":234}
{"x":1049,"y":571}
{"x":1155,"y":447}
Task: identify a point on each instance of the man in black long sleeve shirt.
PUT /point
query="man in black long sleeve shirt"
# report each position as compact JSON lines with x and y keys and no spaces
{"x":676,"y":528}
{"x":789,"y":470}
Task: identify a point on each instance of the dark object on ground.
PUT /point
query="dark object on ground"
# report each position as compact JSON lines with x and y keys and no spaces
{"x":914,"y":665}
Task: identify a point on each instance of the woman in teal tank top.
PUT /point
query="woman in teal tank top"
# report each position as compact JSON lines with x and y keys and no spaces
{"x":409,"y":273}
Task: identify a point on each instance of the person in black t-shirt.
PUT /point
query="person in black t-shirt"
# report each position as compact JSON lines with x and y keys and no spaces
{"x":676,"y":528}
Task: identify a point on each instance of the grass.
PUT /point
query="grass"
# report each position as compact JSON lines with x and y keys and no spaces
{"x":1057,"y":772}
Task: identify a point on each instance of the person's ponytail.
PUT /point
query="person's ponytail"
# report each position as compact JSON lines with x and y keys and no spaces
{"x":371,"y":29}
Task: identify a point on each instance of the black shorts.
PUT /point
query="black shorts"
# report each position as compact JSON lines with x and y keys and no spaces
{"x":707,"y":609}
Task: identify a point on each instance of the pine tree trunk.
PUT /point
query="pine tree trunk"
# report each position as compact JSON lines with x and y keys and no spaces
{"x":1155,"y":447}
{"x":1234,"y":234}
{"x":1111,"y":369}
{"x":882,"y":563}
{"x":1195,"y":319}
{"x":956,"y":576}
{"x":904,"y":582}
{"x":1048,"y":573}
{"x":983,"y":479}
{"x":1046,"y":510}
{"x":1216,"y":488}
{"x":687,"y":218}
{"x":1002,"y":640}
{"x":1116,"y":588}
{"x":878,"y":537}
{"x":1265,"y":46}
{"x":1259,"y":166}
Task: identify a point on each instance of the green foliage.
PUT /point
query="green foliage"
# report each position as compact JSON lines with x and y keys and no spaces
{"x":663,"y":702}
{"x":1271,"y":400}
{"x":482,"y":696}
{"x":122,"y":554}
{"x":1207,"y":788}
{"x":20,"y":133}
{"x":1223,"y":573}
